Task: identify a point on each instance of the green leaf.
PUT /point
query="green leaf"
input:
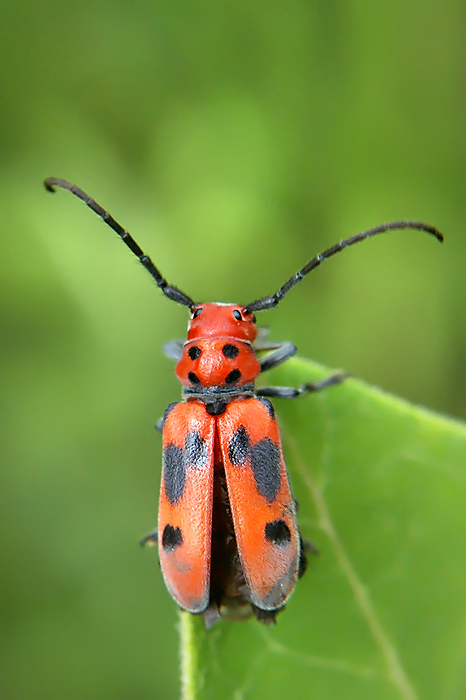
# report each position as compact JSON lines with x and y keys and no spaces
{"x":381,"y":613}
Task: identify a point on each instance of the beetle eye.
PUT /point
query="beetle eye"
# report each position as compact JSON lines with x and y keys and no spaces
{"x":197,"y":313}
{"x":237,"y":315}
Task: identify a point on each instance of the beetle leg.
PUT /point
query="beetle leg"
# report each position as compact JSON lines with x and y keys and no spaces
{"x":288,"y":392}
{"x":174,"y":349}
{"x":282,"y":353}
{"x":150,"y":540}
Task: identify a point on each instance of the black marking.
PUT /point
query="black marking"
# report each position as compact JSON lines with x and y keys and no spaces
{"x":233,"y":377}
{"x":168,"y":410}
{"x":278,"y":532}
{"x":193,"y":378}
{"x":216,"y":408}
{"x":174,"y":473}
{"x":265,"y":462}
{"x":269,"y":406}
{"x":195,"y":450}
{"x":230,"y":351}
{"x":197,"y":313}
{"x":194,"y":352}
{"x":171,"y":538}
{"x":240,"y":447}
{"x":237,"y":315}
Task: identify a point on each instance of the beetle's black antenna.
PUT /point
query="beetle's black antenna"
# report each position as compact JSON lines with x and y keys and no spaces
{"x":271,"y":301}
{"x":172,"y":293}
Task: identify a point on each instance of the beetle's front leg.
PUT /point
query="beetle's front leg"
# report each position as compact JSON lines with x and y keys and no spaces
{"x":282,"y":353}
{"x":150,"y":540}
{"x":174,"y":349}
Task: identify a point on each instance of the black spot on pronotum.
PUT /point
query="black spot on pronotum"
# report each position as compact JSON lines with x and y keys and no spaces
{"x":230,"y":351}
{"x":265,"y":462}
{"x":194,"y":352}
{"x":237,"y":315}
{"x":197,"y":313}
{"x":233,"y":376}
{"x":268,"y":404}
{"x":277,"y":532}
{"x":171,"y":538}
{"x":193,"y":378}
{"x":239,"y":447}
{"x":195,"y":450}
{"x":174,"y":474}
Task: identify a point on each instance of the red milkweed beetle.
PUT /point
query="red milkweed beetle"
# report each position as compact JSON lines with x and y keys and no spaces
{"x":229,"y":542}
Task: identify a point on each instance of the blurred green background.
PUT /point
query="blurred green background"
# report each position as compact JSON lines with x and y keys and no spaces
{"x":235,"y":141}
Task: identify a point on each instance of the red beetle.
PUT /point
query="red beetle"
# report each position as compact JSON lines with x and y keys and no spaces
{"x":228,"y":538}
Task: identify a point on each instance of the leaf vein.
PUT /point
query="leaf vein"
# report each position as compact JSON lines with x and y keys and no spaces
{"x":395,"y":671}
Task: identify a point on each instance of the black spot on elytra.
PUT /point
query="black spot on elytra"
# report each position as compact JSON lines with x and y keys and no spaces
{"x":194,"y":352}
{"x":277,"y":532}
{"x":171,"y":538}
{"x":268,"y":404}
{"x":230,"y":351}
{"x":174,"y":473}
{"x":265,"y":462}
{"x":233,"y":377}
{"x":169,"y":409}
{"x":195,"y":450}
{"x":193,"y":378}
{"x":176,"y":461}
{"x":239,"y":447}
{"x":237,"y":315}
